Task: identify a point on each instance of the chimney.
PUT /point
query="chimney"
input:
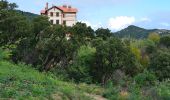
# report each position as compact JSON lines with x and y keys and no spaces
{"x":46,"y":8}
{"x":69,"y":6}
{"x":64,"y":6}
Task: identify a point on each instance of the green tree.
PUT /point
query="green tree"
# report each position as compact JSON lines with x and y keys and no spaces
{"x":149,"y":46}
{"x":103,"y":33}
{"x":53,"y":47}
{"x":82,"y":33}
{"x":5,"y":5}
{"x":40,"y":23}
{"x":12,"y":6}
{"x":154,"y":37}
{"x":110,"y":56}
{"x":27,"y":50}
{"x":165,"y":41}
{"x":80,"y":71}
{"x":160,"y":63}
{"x":13,"y":26}
{"x":136,"y":51}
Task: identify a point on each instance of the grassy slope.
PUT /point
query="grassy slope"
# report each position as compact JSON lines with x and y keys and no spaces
{"x":23,"y":82}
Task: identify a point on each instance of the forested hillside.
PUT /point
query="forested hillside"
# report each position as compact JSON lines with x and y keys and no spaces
{"x":139,"y":33}
{"x":39,"y":61}
{"x":28,"y":15}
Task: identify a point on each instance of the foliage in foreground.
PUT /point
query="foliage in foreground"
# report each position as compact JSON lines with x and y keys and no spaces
{"x":21,"y":82}
{"x":160,"y":91}
{"x":136,"y":68}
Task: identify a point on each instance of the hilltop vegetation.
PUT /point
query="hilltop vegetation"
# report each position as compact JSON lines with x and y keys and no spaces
{"x":119,"y":68}
{"x":139,"y":33}
{"x":28,"y":15}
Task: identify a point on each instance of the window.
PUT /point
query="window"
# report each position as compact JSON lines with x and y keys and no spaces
{"x":57,"y":22}
{"x":51,"y":14}
{"x":63,"y":15}
{"x":51,"y":21}
{"x":57,"y":14}
{"x":64,"y":22}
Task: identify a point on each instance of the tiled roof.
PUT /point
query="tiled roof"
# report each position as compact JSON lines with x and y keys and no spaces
{"x":66,"y":9}
{"x":63,"y":9}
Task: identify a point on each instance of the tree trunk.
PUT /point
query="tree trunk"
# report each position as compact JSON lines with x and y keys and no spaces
{"x":49,"y":65}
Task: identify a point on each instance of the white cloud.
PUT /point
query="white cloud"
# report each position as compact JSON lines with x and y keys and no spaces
{"x":120,"y":22}
{"x":94,"y":26}
{"x":165,"y":24}
{"x":145,"y":19}
{"x":86,"y":22}
{"x":98,"y":25}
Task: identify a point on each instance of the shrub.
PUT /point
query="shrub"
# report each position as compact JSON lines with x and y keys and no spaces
{"x":154,"y":37}
{"x":111,"y":92}
{"x":149,"y":45}
{"x":163,"y":90}
{"x":81,"y":68}
{"x":21,"y":82}
{"x":145,"y":79}
{"x":4,"y":54}
{"x":159,"y":64}
{"x":165,"y":41}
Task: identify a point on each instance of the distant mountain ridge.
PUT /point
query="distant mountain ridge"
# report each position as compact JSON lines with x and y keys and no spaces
{"x":137,"y":32}
{"x":28,"y":15}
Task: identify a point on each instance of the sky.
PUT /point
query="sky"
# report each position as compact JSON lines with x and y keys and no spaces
{"x":112,"y":14}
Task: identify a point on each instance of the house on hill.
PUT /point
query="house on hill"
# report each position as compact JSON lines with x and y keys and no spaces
{"x":63,"y":15}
